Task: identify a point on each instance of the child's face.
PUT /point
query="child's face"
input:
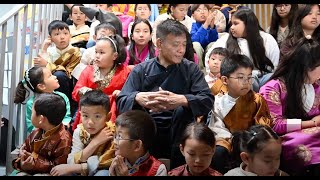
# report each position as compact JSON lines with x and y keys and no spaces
{"x":237,"y":28}
{"x":312,"y":20}
{"x":122,"y":143}
{"x":267,"y":161}
{"x":215,"y":62}
{"x":314,"y":75}
{"x":239,"y":82}
{"x":143,"y":11}
{"x":61,"y":38}
{"x":180,"y":11}
{"x":94,"y":118}
{"x":77,"y":17}
{"x":201,"y":14}
{"x":283,"y":10}
{"x":103,"y":33}
{"x":141,"y":34}
{"x":197,"y":154}
{"x":50,"y":81}
{"x":105,"y":54}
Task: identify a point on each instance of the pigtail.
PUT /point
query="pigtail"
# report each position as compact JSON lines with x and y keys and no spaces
{"x":20,"y":94}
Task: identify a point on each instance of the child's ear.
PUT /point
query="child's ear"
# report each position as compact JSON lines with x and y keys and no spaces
{"x":139,"y":144}
{"x":115,"y":56}
{"x":244,"y":157}
{"x":42,"y":119}
{"x":94,"y":37}
{"x":41,"y":87}
{"x":224,"y":79}
{"x":181,"y":149}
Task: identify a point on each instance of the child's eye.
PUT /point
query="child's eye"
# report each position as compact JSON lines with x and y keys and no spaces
{"x":191,"y":154}
{"x":84,"y":116}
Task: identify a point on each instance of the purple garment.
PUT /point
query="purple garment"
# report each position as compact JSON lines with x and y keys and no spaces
{"x":302,"y":147}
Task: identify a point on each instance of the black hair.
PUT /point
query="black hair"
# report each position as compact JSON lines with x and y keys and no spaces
{"x":255,"y":41}
{"x":140,"y":125}
{"x":105,"y":25}
{"x":32,"y":78}
{"x":296,"y":33}
{"x":46,"y":103}
{"x":57,"y":24}
{"x":95,"y":98}
{"x":194,"y":7}
{"x":220,"y":51}
{"x":251,"y":141}
{"x":293,"y":71}
{"x":118,"y":46}
{"x":200,"y":132}
{"x":231,"y":63}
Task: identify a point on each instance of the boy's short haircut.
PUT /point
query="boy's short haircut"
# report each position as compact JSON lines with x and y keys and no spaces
{"x":194,"y":7}
{"x":52,"y":106}
{"x":140,"y":125}
{"x":95,"y":98}
{"x":57,"y":24}
{"x":104,"y":25}
{"x":231,"y":63}
{"x":220,"y":51}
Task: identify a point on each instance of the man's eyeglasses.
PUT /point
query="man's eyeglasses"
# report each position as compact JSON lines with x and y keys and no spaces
{"x":244,"y":80}
{"x":117,"y":138}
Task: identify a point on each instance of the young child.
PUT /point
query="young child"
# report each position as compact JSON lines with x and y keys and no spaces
{"x":49,"y":144}
{"x":245,"y":37}
{"x":92,"y":144}
{"x":238,"y":109}
{"x":306,"y":23}
{"x":292,"y":96}
{"x":142,"y":11}
{"x":39,"y":80}
{"x":215,"y":58}
{"x":141,"y":47}
{"x":89,"y":55}
{"x":62,"y":58}
{"x":135,"y":133}
{"x":177,"y":12}
{"x":257,"y":152}
{"x":281,"y":21}
{"x":79,"y":30}
{"x":203,"y":31}
{"x":197,"y":146}
{"x":107,"y":73}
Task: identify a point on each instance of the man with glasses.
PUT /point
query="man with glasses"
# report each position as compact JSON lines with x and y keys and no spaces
{"x":236,"y":110}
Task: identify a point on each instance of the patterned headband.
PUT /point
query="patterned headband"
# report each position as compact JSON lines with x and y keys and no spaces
{"x":27,"y":80}
{"x":112,"y":41}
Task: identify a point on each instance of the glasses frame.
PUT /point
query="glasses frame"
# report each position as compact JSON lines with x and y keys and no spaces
{"x":248,"y":79}
{"x":117,"y":138}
